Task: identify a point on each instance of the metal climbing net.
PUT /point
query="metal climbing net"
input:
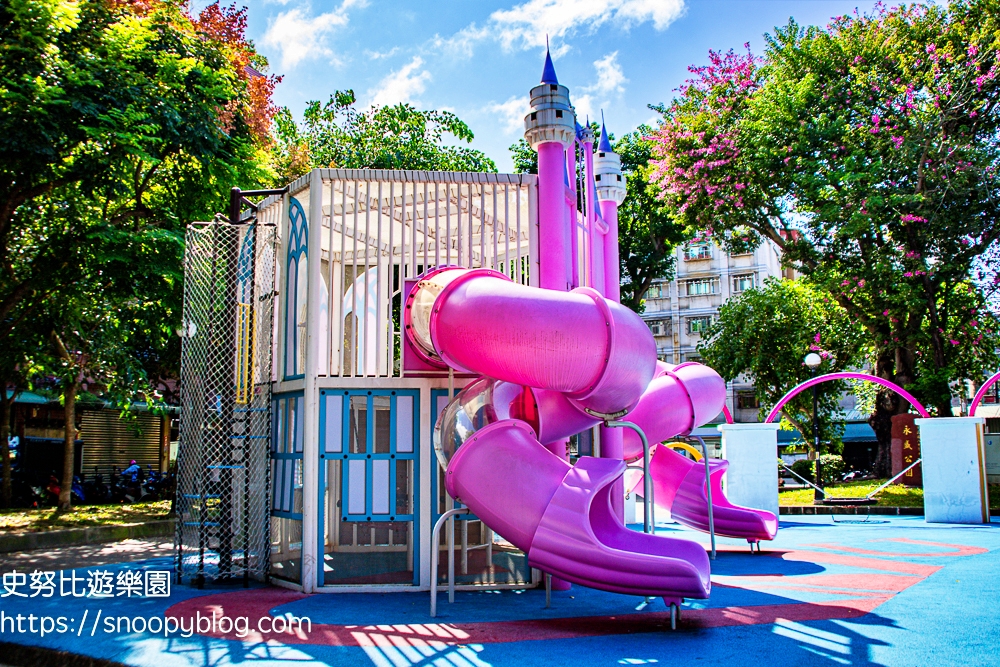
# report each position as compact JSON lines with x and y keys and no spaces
{"x":223,"y":472}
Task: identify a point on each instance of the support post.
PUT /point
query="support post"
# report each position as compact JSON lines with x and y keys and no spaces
{"x":954,"y":470}
{"x":752,"y":452}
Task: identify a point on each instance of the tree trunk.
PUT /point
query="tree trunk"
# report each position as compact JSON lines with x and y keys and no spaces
{"x":896,"y":366}
{"x":6,"y":407}
{"x":69,"y":446}
{"x":886,"y":405}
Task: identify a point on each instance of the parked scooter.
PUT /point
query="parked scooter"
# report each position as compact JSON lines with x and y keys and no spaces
{"x":128,"y":485}
{"x":96,"y":490}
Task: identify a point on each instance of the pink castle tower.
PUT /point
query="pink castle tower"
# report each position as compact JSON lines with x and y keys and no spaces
{"x":611,"y":192}
{"x":610,"y":186}
{"x":550,"y":129}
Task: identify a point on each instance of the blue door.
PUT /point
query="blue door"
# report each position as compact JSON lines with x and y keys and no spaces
{"x":368,"y":477}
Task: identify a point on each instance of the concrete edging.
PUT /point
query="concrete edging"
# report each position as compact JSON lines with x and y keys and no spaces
{"x":799,"y":510}
{"x":52,"y":539}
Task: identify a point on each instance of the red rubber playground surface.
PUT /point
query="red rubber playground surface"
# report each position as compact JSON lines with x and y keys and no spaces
{"x":893,"y":592}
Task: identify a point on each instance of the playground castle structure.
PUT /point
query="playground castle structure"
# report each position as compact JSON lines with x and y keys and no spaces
{"x":344,"y":335}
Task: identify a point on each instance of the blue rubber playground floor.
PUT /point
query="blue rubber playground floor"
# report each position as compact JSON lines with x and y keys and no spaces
{"x":894,"y":591}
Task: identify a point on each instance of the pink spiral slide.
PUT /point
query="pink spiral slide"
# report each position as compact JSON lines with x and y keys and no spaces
{"x":678,"y":482}
{"x":553,"y":364}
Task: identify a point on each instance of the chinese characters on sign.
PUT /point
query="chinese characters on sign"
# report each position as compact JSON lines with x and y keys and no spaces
{"x":92,"y":583}
{"x":906,"y":449}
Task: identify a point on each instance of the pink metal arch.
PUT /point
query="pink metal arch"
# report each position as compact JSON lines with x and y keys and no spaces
{"x":728,"y":415}
{"x":844,"y":376}
{"x":981,"y":394}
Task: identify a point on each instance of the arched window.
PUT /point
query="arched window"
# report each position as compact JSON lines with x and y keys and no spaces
{"x":296,"y":281}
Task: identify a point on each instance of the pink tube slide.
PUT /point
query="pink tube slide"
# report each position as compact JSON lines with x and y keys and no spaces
{"x":691,"y":503}
{"x":697,"y":394}
{"x":596,"y":352}
{"x":561,"y":516}
{"x":554,"y":364}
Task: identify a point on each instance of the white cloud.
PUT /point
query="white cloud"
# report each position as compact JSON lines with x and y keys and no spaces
{"x":586,"y":108}
{"x":403,"y":85}
{"x":525,"y":26}
{"x":380,"y":55}
{"x":610,"y":83}
{"x":511,"y":113}
{"x":300,"y":36}
{"x":610,"y":77}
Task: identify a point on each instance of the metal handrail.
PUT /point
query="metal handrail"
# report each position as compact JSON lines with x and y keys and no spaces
{"x":872,"y":494}
{"x":901,"y":473}
{"x":804,"y":479}
{"x":436,"y":555}
{"x":708,"y":488}
{"x":648,"y":518}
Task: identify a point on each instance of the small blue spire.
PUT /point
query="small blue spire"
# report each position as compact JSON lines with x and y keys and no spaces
{"x":548,"y":71}
{"x":604,"y":146}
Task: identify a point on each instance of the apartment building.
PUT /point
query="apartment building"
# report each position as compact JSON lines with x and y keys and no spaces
{"x":679,"y":311}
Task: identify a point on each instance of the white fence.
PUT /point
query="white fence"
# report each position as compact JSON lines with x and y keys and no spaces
{"x":379,"y":229}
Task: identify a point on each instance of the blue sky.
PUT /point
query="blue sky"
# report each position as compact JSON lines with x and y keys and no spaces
{"x":480,"y":58}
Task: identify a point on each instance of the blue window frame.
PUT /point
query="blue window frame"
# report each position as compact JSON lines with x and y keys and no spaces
{"x":370,"y":463}
{"x":286,"y":455}
{"x":296,"y":282}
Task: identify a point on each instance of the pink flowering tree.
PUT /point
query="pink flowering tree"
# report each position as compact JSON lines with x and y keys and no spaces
{"x":867,"y":150}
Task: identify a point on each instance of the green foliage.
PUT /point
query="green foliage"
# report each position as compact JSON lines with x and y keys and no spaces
{"x":831,"y":468}
{"x":805,"y":468}
{"x":765,"y":333}
{"x":120,"y":123}
{"x":867,"y":151}
{"x":525,"y":157}
{"x":336,"y":134}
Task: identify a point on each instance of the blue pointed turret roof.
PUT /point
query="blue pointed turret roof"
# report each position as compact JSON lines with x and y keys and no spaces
{"x":604,"y":146}
{"x":548,"y":71}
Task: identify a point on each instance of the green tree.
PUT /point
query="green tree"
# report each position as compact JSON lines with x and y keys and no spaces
{"x":867,"y":151}
{"x":337,"y":134}
{"x":765,"y":333}
{"x":148,"y":114}
{"x":648,"y":231}
{"x":525,"y":157}
{"x":121,"y":123}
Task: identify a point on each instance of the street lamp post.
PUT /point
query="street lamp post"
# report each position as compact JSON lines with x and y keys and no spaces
{"x":813,"y":361}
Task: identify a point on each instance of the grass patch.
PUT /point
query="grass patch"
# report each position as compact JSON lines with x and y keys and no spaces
{"x":894,"y":495}
{"x":47,"y":518}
